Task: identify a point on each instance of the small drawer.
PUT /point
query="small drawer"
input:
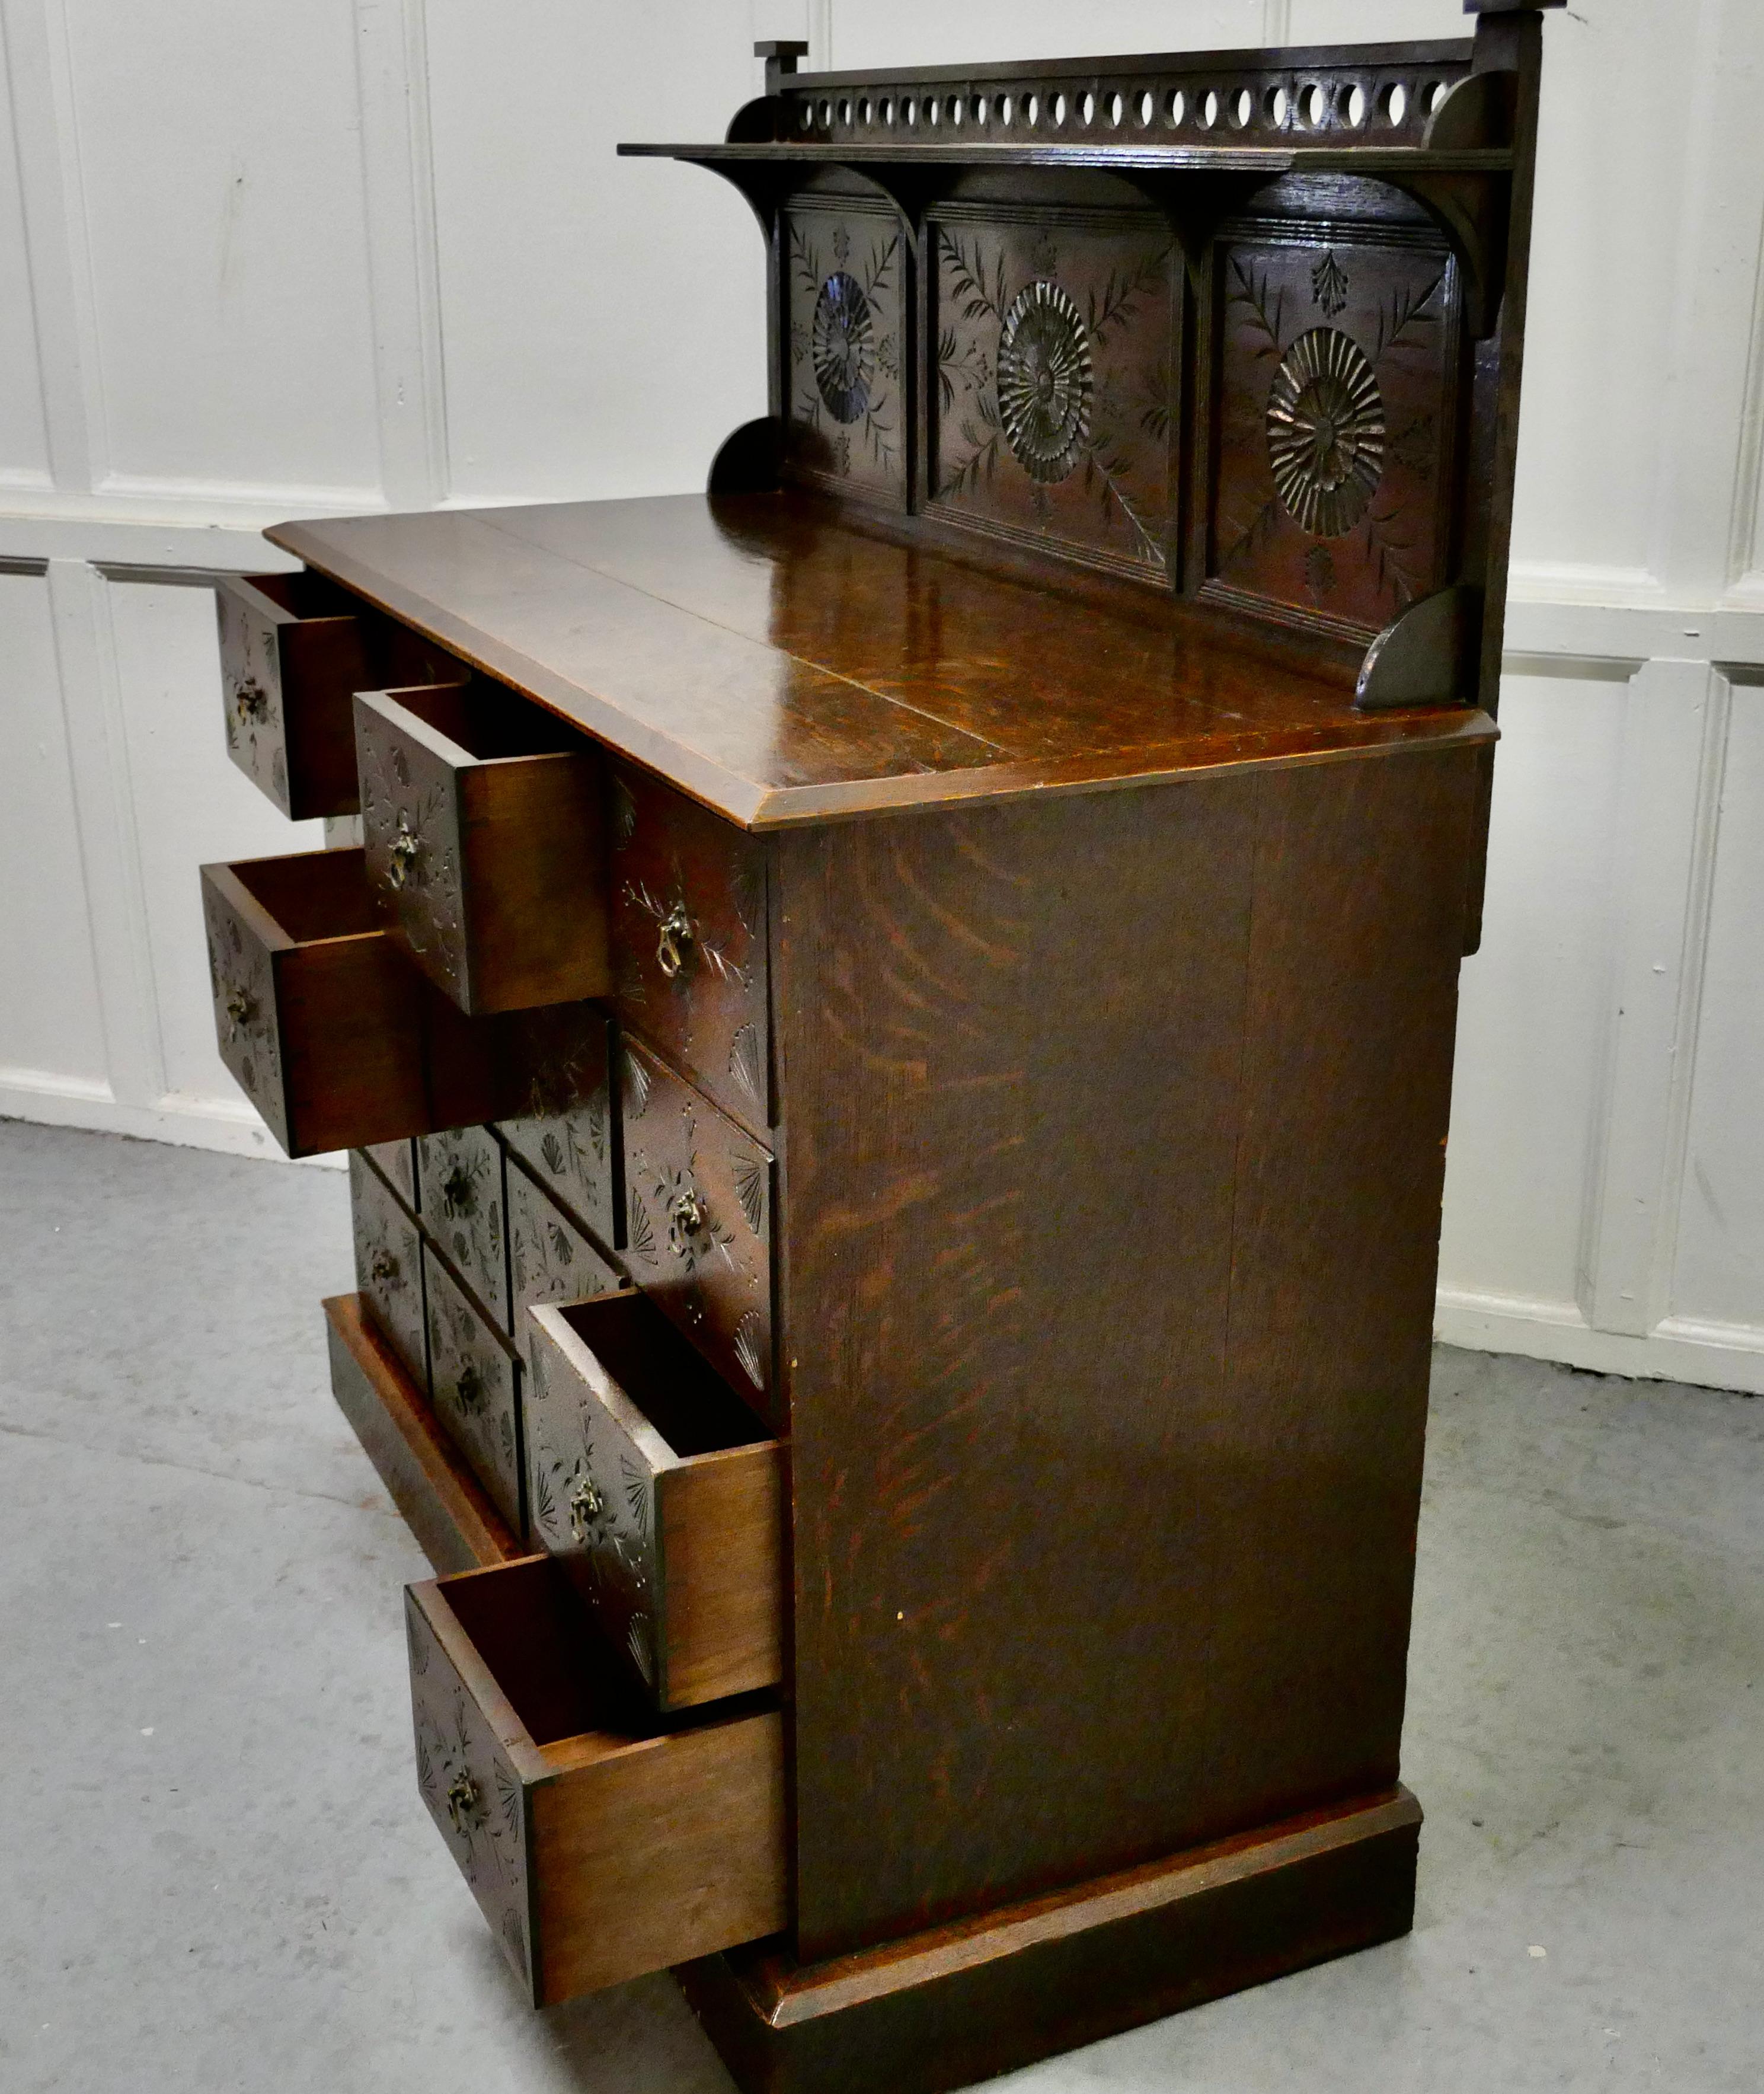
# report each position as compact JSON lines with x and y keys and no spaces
{"x":464,"y":1209}
{"x":388,"y":1264}
{"x":659,"y":1492}
{"x":396,"y":1162}
{"x":332,"y":1035}
{"x":566,"y":1135}
{"x":293,"y":654}
{"x":550,"y":1258}
{"x":599,"y":1845}
{"x":698,"y":1221}
{"x":474,"y":1382}
{"x":482,"y":817}
{"x":689,"y":935}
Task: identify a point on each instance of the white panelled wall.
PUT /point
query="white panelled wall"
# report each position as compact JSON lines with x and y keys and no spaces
{"x":258,"y":260}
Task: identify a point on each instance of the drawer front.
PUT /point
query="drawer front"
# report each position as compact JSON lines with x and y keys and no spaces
{"x":600,"y":1845}
{"x":242,"y":980}
{"x":464,"y":1209}
{"x":287,"y":680}
{"x":388,"y":1264}
{"x":550,"y":1260}
{"x":477,"y":1801}
{"x":490,"y":871}
{"x":678,"y":1555}
{"x":688,"y":930}
{"x":475,"y":1386}
{"x":567,"y":1138}
{"x":396,"y":1162}
{"x":698,"y":1194}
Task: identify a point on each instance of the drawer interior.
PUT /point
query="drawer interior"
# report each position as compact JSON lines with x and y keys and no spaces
{"x":690,"y":1406}
{"x":312,"y":894}
{"x":304,"y":595}
{"x":485,"y":722}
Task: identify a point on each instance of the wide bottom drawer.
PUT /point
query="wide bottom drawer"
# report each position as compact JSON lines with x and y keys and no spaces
{"x":600,"y":1843}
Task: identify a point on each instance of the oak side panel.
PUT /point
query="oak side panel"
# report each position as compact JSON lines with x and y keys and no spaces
{"x":722,"y":1522}
{"x":1009,"y":1043}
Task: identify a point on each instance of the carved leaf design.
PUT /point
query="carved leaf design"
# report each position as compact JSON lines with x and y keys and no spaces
{"x":639,"y":1229}
{"x":750,"y":1334}
{"x":750,"y":1186}
{"x":746,"y":1064}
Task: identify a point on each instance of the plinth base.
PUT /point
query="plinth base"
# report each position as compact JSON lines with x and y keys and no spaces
{"x":961,"y":2003}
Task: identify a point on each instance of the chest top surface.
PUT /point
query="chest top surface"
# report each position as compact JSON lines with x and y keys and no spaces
{"x":787,"y":663}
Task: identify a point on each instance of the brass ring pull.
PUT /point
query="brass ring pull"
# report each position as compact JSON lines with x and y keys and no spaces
{"x":458,"y":1197}
{"x":686,"y":1217}
{"x":464,"y":1803}
{"x":675,"y":937}
{"x":587,"y":1506}
{"x":383,"y":1266}
{"x":470,"y":1385}
{"x":239,"y":1009}
{"x":401,"y":853}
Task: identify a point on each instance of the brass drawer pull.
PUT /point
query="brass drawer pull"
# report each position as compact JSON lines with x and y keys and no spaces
{"x":384,"y":1266}
{"x":401,"y":853}
{"x":675,"y":936}
{"x":240,"y":1011}
{"x":588,"y":1508}
{"x":465,"y":1805}
{"x":251,"y":702}
{"x":686,"y":1217}
{"x":470,"y":1386}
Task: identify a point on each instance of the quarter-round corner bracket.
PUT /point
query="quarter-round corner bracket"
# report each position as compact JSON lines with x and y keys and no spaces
{"x":1426,"y":657}
{"x":749,"y":460}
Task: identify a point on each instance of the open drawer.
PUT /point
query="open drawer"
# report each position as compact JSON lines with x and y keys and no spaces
{"x":599,"y":1844}
{"x":482,"y":817}
{"x":661,"y":1495}
{"x":332,"y":1035}
{"x":293,"y":653}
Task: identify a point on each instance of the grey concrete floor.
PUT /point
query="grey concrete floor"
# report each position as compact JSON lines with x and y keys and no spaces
{"x":215,"y":1874}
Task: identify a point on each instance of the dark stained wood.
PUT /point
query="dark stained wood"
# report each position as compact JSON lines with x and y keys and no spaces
{"x":698,"y":1219}
{"x":475,"y":1384}
{"x":785,"y":664}
{"x":968,"y":2002}
{"x":388,"y":1264}
{"x":660,"y":1494}
{"x":455,"y":1524}
{"x":599,"y":1844}
{"x":567,"y":1132}
{"x":1099,"y":1221}
{"x":465,"y":1209}
{"x":396,"y":1162}
{"x":689,"y":941}
{"x":292,"y":650}
{"x":482,"y":823}
{"x":550,"y":1259}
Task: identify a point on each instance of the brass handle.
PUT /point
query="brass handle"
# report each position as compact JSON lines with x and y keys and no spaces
{"x":675,"y":937}
{"x":239,"y":1010}
{"x":686,"y":1217}
{"x":457,"y":1195}
{"x":465,"y":1803}
{"x":251,"y":701}
{"x":401,"y":853}
{"x":587,"y":1506}
{"x":470,"y":1385}
{"x":383,"y":1266}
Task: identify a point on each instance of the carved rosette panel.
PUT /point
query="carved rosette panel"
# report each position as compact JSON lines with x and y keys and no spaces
{"x":1338,"y":351}
{"x":551,"y":1261}
{"x":411,"y":836}
{"x":1053,"y":397}
{"x":242,"y":977}
{"x":688,"y":940}
{"x":251,"y":688}
{"x":388,"y":1264}
{"x":847,"y":338}
{"x":698,"y":1197}
{"x":593,"y":1500}
{"x":463,"y":1209}
{"x":473,"y":1386}
{"x":476,"y":1798}
{"x":566,"y":1134}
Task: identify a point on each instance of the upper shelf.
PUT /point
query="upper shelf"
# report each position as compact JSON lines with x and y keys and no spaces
{"x":1269,"y":160}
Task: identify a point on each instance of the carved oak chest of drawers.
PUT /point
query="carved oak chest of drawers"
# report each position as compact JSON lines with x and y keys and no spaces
{"x":895,"y":1023}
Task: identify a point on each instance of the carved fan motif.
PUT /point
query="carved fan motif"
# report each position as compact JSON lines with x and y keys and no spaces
{"x":1045,"y":379}
{"x":1325,"y":432}
{"x":841,"y":347}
